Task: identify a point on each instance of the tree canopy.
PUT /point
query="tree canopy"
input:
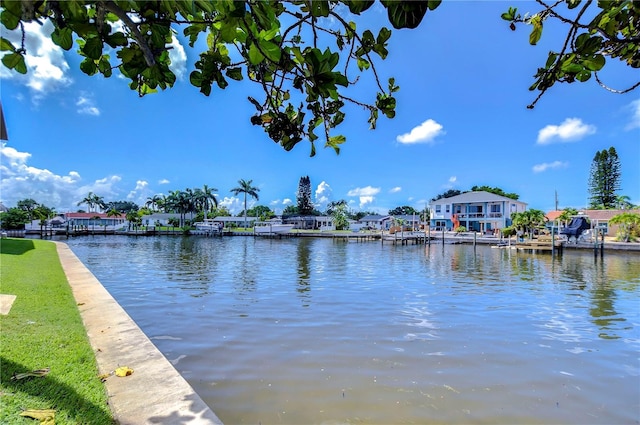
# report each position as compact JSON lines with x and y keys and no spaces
{"x":303,"y":56}
{"x":604,"y":179}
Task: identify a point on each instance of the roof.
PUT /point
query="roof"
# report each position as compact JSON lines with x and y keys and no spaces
{"x":476,"y":196}
{"x":374,"y":217}
{"x":599,"y":215}
{"x":87,"y":215}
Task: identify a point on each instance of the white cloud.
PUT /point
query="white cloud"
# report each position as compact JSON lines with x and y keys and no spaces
{"x":86,"y":105}
{"x":323,"y":194}
{"x":46,"y":65}
{"x":635,"y":115}
{"x":233,"y":204}
{"x":18,"y":181}
{"x":571,"y":130}
{"x":140,"y":193}
{"x":163,"y":181}
{"x":453,"y":179}
{"x":539,"y":168}
{"x":178,"y":58}
{"x":424,"y":133}
{"x":395,"y":189}
{"x":366,"y":194}
{"x":287,"y":201}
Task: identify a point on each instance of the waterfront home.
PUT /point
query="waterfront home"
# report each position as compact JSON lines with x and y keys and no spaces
{"x":159,"y":219}
{"x":229,"y":221}
{"x":377,"y":222}
{"x":477,"y":211}
{"x":409,"y":221}
{"x":93,"y":220}
{"x":598,"y":218}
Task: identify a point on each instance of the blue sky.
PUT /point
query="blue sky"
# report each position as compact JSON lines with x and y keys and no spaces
{"x":461,"y":121}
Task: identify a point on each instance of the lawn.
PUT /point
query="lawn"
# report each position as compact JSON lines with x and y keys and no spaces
{"x":44,"y":330}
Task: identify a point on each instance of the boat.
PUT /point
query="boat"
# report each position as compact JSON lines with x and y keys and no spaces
{"x":272,"y":227}
{"x":207,"y":227}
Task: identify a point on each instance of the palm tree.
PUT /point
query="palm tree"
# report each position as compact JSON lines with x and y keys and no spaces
{"x":98,"y":201}
{"x":153,"y":202}
{"x":207,"y":198}
{"x":628,"y":225}
{"x":623,"y":202}
{"x":88,"y":200}
{"x":114,"y":213}
{"x":246,"y":188}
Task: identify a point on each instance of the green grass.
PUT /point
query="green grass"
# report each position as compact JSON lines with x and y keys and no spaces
{"x":44,"y":329}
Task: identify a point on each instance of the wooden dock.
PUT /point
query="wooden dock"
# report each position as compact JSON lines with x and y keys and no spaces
{"x":406,"y":238}
{"x":543,"y":243}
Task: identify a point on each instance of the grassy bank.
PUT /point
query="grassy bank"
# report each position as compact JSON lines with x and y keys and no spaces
{"x":44,"y":330}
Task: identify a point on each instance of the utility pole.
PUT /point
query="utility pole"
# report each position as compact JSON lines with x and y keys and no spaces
{"x":556,"y":200}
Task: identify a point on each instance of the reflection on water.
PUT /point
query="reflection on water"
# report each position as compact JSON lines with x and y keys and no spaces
{"x":315,"y":331}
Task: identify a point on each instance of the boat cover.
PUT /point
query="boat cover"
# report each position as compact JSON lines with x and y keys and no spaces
{"x":576,"y":227}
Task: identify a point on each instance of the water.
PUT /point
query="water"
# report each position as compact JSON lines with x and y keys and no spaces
{"x":316,"y":331}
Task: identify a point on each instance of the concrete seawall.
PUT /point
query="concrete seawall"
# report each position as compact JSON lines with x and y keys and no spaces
{"x":155,"y":393}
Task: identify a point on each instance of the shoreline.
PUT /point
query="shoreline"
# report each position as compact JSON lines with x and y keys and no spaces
{"x":155,"y":392}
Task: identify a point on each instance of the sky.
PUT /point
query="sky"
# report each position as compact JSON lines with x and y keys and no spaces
{"x":461,"y":121}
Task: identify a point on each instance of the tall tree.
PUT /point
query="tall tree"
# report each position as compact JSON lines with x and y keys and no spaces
{"x":303,"y":197}
{"x":246,"y":188}
{"x":88,"y":200}
{"x":28,"y":206}
{"x":404,"y":210}
{"x":331,"y":206}
{"x":205,"y":199}
{"x":604,"y":179}
{"x":302,"y":56}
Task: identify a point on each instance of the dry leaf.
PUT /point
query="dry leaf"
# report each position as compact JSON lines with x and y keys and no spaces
{"x":38,"y":372}
{"x":123,"y":371}
{"x":45,"y":416}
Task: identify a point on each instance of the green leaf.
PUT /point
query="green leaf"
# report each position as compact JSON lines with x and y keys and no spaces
{"x":228,"y":31}
{"x":195,"y":78}
{"x":270,"y":50}
{"x":319,"y":8}
{"x":572,"y":4}
{"x":6,"y":45}
{"x":63,"y":37}
{"x":583,"y":75}
{"x":359,"y":6}
{"x":105,"y":66}
{"x":7,"y":18}
{"x":255,"y":57}
{"x":536,"y":31}
{"x":594,"y":63}
{"x":572,"y":68}
{"x":405,"y":13}
{"x":15,"y":61}
{"x":116,"y":39}
{"x":363,"y":64}
{"x":234,"y":73}
{"x":93,"y":48}
{"x":551,"y":59}
{"x":88,"y":66}
{"x":433,"y":4}
{"x":383,"y":35}
{"x":336,"y":141}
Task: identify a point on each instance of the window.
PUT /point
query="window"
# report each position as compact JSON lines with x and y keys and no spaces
{"x":448,"y":208}
{"x":438,"y":209}
{"x":495,"y":208}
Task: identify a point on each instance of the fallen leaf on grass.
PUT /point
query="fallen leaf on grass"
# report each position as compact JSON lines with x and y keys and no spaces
{"x":123,"y":371}
{"x":34,"y":373}
{"x":45,"y":416}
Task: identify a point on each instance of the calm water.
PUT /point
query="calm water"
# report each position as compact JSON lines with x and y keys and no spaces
{"x":315,"y":331}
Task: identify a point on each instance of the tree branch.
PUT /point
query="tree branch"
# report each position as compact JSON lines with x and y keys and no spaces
{"x":146,"y":51}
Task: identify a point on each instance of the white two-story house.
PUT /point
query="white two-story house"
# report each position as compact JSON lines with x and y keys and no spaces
{"x":476,"y":211}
